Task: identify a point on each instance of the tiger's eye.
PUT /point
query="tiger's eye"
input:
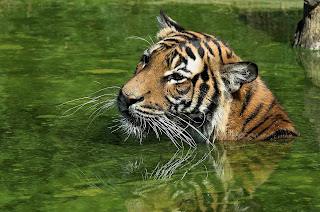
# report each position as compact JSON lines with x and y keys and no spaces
{"x":177,"y":76}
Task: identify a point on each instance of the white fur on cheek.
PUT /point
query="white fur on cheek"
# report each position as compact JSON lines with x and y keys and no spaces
{"x":172,"y":81}
{"x":193,"y":65}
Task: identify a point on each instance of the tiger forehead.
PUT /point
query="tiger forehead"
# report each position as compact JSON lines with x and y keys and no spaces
{"x":176,"y":39}
{"x":190,"y":44}
{"x":177,"y":54}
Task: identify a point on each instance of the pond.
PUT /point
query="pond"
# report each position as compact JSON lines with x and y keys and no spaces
{"x":52,"y":159}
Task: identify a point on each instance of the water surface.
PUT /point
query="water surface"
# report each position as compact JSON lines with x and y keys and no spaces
{"x":55,"y":51}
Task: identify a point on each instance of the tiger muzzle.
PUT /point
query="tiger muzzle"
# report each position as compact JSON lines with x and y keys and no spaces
{"x":124,"y":101}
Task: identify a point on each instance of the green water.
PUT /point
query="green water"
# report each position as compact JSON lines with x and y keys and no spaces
{"x":55,"y":51}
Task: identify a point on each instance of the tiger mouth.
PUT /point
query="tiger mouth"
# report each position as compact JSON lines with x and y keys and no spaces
{"x":137,"y":113}
{"x":136,"y":116}
{"x":140,"y":123}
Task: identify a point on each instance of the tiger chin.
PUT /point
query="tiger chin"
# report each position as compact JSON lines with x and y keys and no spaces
{"x":192,"y":87}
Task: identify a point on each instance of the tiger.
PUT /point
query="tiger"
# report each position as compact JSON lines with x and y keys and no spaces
{"x":191,"y":86}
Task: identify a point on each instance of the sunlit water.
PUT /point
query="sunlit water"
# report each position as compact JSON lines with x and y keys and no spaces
{"x":55,"y":51}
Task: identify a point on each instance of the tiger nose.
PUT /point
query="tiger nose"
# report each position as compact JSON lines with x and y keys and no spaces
{"x":131,"y":99}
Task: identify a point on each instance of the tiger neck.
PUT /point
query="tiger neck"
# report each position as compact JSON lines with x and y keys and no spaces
{"x":255,"y":114}
{"x":237,"y":115}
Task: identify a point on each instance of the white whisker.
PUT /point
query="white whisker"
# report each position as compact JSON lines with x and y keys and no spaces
{"x":98,"y":104}
{"x":107,"y":88}
{"x":191,"y":126}
{"x":140,"y":38}
{"x":76,"y":108}
{"x":151,"y":39}
{"x":78,"y":99}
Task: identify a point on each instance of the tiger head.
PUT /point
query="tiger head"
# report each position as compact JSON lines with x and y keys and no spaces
{"x":183,"y":85}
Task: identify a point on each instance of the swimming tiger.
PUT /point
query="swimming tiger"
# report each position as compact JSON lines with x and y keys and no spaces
{"x":192,"y":86}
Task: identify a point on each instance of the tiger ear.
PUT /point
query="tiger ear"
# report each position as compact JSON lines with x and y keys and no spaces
{"x":237,"y":74}
{"x":167,"y":26}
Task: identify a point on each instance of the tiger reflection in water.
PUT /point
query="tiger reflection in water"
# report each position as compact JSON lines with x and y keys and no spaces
{"x":233,"y":172}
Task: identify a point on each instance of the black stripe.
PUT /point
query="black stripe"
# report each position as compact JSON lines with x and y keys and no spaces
{"x":280,"y":133}
{"x":204,"y":88}
{"x":229,"y":54}
{"x":280,"y":117}
{"x":145,"y":112}
{"x":194,"y":37}
{"x":215,"y":41}
{"x":275,"y":118}
{"x":188,"y":104}
{"x":273,"y":103}
{"x":247,"y":99}
{"x":204,"y":73}
{"x":256,"y":127}
{"x":195,"y":79}
{"x":186,"y":37}
{"x":265,"y":129}
{"x":167,"y":59}
{"x":183,"y":59}
{"x":197,"y":45}
{"x":219,"y":49}
{"x":165,"y":46}
{"x":183,"y":102}
{"x":176,"y":107}
{"x":166,"y":97}
{"x":183,"y":92}
{"x":224,"y":43}
{"x":173,"y":55}
{"x":175,"y":97}
{"x":171,"y":40}
{"x":190,"y":53}
{"x":209,"y":48}
{"x":147,"y":106}
{"x":208,"y":37}
{"x":252,"y":116}
{"x":214,"y":99}
{"x":184,"y":70}
{"x":200,"y":51}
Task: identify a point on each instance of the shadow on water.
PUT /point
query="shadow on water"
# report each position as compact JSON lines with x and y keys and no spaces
{"x":279,"y":25}
{"x":310,"y":61}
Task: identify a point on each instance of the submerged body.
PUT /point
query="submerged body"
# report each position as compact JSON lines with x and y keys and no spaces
{"x":191,"y":85}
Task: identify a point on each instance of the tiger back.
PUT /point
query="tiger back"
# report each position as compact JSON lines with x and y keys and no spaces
{"x":192,"y":86}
